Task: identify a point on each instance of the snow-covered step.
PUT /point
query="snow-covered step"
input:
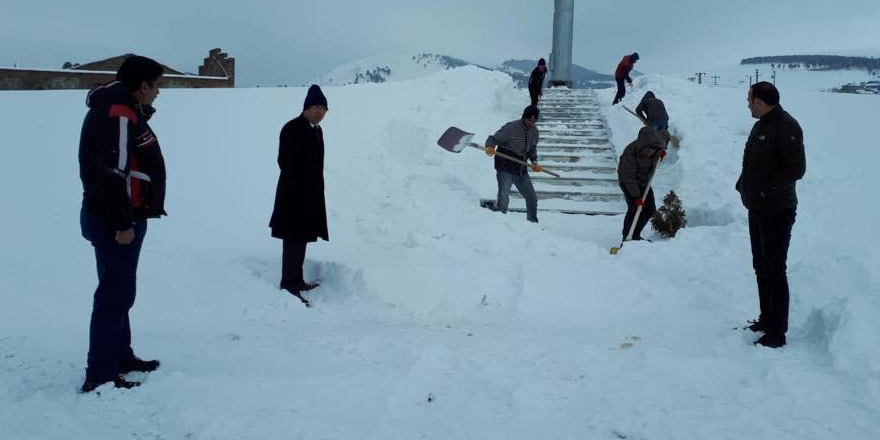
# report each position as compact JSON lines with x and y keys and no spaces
{"x":569,"y":167}
{"x":555,"y":125}
{"x":573,"y":140}
{"x":593,"y":188}
{"x":574,"y":148}
{"x":591,"y":159}
{"x":574,"y":133}
{"x":576,"y":181}
{"x":572,"y":196}
{"x":566,"y":206}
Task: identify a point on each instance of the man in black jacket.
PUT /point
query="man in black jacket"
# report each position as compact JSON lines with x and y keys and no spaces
{"x":123,"y":177}
{"x":518,"y":139}
{"x":536,"y":81}
{"x":773,"y":161}
{"x":300,"y":214}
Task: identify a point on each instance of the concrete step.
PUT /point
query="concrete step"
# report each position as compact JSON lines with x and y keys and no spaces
{"x":573,"y":140}
{"x":575,"y":181}
{"x":565,"y":207}
{"x":590,"y":158}
{"x":574,"y":148}
{"x":550,"y":125}
{"x":570,"y":120}
{"x":574,"y":133}
{"x":571,"y":196}
{"x":570,"y":167}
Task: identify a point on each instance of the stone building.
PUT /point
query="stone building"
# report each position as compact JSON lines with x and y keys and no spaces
{"x":217,"y":70}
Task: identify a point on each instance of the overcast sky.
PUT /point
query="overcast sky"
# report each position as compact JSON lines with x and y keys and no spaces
{"x":294,"y":41}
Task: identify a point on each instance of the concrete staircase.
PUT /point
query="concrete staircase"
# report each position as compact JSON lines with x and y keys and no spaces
{"x":574,"y":144}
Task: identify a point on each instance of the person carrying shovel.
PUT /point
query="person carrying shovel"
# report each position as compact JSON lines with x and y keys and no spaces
{"x":517,"y":139}
{"x":634,"y":172}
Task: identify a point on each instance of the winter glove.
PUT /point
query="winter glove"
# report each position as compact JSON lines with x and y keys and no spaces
{"x":490,"y":151}
{"x":640,"y":202}
{"x":536,"y":167}
{"x":662,"y":154}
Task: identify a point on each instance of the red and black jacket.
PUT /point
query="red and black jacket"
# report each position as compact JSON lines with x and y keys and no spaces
{"x":120,"y":162}
{"x":624,"y":68}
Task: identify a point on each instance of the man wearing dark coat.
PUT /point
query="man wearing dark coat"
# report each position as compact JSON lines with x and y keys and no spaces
{"x":300,"y":214}
{"x":773,"y":162}
{"x":536,"y":81}
{"x":123,"y":177}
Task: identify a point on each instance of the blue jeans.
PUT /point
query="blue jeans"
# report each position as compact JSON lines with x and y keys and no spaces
{"x":659,"y":124}
{"x":524,"y":185}
{"x":109,"y":330}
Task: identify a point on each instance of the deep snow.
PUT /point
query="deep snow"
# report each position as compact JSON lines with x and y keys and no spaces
{"x":439,"y":319}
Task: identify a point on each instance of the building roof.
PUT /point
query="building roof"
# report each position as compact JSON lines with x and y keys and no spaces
{"x":114,"y":62}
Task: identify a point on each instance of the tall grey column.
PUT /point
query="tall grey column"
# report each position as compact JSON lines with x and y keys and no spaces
{"x":563,"y":33}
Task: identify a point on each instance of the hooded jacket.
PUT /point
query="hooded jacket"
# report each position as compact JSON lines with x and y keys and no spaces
{"x":635,"y":168}
{"x":120,"y":163}
{"x":652,"y":109}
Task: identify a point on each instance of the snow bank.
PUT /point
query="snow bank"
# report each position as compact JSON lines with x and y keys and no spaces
{"x":436,"y":318}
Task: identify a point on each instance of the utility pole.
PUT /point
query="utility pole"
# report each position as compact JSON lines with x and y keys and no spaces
{"x":715,"y":77}
{"x":750,"y":79}
{"x":700,"y":77}
{"x":756,"y":76}
{"x":774,"y":77}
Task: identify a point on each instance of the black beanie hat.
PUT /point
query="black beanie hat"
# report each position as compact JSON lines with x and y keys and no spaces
{"x":314,"y":97}
{"x":530,"y":111}
{"x":541,"y":62}
{"x":635,"y":55}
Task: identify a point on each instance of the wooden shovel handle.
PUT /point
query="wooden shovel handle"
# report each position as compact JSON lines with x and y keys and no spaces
{"x":513,"y":159}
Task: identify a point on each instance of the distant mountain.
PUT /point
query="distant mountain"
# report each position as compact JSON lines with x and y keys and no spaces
{"x":379,"y":69}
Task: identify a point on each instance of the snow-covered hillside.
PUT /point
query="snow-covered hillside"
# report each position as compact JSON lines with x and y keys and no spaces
{"x":380,"y":69}
{"x":436,"y":318}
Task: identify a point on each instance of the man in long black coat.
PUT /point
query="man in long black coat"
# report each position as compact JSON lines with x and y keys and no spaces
{"x":536,"y":81}
{"x":300,"y":214}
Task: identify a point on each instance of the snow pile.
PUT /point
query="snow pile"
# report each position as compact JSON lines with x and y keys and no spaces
{"x":437,"y":318}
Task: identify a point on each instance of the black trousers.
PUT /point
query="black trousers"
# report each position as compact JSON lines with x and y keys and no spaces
{"x":648,"y":211}
{"x":109,"y":329}
{"x":621,"y":91}
{"x":292,"y":258}
{"x":534,"y":94}
{"x":770,"y":233}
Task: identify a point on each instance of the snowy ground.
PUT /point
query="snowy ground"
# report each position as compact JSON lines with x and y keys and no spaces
{"x":438,"y":319}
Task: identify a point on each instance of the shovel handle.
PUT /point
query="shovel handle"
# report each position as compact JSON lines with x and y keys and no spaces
{"x":513,"y":159}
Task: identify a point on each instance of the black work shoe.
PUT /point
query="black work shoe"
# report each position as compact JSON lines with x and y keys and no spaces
{"x":137,"y":364}
{"x":118,"y":382}
{"x":771,"y":340}
{"x":757,"y":326}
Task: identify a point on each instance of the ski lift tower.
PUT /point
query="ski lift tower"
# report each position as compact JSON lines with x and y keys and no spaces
{"x":563,"y":31}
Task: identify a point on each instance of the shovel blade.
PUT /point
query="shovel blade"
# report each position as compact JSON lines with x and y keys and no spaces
{"x":455,"y":139}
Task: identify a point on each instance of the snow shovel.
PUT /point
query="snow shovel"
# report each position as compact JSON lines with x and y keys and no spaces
{"x":671,"y":136}
{"x":632,"y":227}
{"x":456,"y":140}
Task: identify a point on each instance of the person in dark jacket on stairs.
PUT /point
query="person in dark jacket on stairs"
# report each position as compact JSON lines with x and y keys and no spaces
{"x":653,"y":111}
{"x":536,"y":81}
{"x":637,"y":164}
{"x":773,"y":161}
{"x":622,"y":73}
{"x":518,"y":139}
{"x":300,"y":214}
{"x":123,"y":177}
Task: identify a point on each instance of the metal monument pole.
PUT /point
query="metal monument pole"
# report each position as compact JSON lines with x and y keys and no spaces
{"x":563,"y":32}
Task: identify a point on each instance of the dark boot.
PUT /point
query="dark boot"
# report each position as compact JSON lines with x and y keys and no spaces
{"x":118,"y":382}
{"x":771,"y":340}
{"x":137,"y":364}
{"x":757,"y":326}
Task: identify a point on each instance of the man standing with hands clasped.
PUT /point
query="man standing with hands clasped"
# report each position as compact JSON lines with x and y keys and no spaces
{"x":773,"y":161}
